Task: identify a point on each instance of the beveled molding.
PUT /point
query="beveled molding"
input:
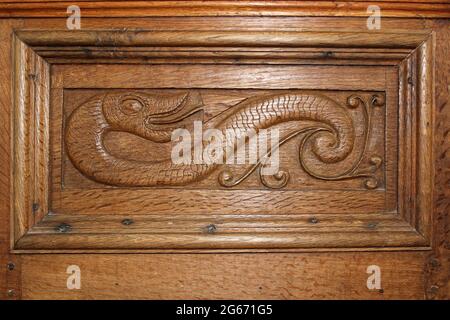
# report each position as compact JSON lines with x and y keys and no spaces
{"x":37,"y":229}
{"x":240,"y":8}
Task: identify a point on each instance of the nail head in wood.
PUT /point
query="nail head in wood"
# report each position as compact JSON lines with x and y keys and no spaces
{"x":211,"y":228}
{"x":434,"y":262}
{"x":63,"y":228}
{"x":372,"y":225}
{"x":313,"y":220}
{"x":127,"y":222}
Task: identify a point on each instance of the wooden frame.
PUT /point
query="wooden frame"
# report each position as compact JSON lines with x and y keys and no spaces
{"x":343,"y":8}
{"x":36,"y":51}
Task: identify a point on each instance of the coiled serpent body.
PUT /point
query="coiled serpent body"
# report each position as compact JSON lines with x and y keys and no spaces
{"x":154,"y":117}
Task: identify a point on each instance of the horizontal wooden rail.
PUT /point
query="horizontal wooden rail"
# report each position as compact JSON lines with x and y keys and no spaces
{"x":57,"y":9}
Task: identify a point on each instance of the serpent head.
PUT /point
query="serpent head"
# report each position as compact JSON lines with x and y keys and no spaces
{"x":151,"y":116}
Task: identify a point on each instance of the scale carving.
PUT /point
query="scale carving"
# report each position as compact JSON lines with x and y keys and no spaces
{"x":330,"y":138}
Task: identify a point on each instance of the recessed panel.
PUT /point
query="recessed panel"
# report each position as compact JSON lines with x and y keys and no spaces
{"x":116,"y":145}
{"x":143,"y":147}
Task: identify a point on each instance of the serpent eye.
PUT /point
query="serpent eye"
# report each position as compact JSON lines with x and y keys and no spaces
{"x":131,"y":106}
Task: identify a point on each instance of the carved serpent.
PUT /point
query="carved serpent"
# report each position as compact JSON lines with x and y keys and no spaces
{"x":154,"y":117}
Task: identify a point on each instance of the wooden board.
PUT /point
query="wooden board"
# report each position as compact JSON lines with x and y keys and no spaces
{"x":352,"y":139}
{"x":344,"y":8}
{"x":224,"y":276}
{"x":282,"y":275}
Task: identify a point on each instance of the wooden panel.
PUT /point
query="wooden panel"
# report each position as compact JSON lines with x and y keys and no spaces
{"x":225,"y":276}
{"x":437,"y":268}
{"x":9,"y":279}
{"x":401,"y":285}
{"x":327,"y":122}
{"x":215,"y":109}
{"x":230,"y":77}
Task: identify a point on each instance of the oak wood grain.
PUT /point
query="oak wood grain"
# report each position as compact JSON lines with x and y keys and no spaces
{"x":424,"y":277}
{"x":10,"y":285}
{"x":430,"y":9}
{"x":225,"y":276}
{"x":438,"y":265}
{"x":233,"y":77}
